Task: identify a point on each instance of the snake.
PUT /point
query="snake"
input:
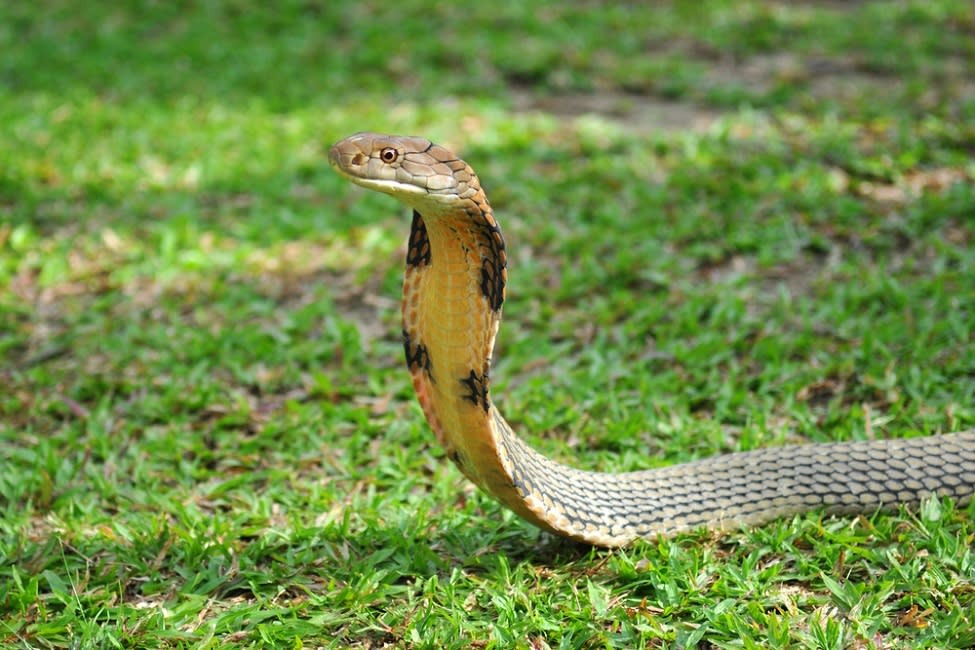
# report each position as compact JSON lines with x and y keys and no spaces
{"x":453,"y":290}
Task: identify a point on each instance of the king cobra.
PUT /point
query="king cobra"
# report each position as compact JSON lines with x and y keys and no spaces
{"x":454,"y":285}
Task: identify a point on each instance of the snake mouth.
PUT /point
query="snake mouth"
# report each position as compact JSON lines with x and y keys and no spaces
{"x":386,"y":186}
{"x":344,"y":162}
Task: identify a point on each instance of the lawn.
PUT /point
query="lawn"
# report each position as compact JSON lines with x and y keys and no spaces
{"x":731,"y":225}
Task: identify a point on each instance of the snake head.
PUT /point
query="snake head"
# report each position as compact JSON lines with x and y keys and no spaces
{"x":423,"y":175}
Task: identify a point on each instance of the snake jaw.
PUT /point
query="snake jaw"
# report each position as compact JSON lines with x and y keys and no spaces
{"x":391,"y":187}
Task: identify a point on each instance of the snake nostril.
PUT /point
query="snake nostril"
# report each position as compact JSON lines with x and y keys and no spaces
{"x":358,"y":159}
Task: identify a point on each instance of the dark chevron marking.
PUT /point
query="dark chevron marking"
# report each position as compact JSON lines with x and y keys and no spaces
{"x":494,"y":274}
{"x":418,"y":249}
{"x":478,"y":387}
{"x":417,"y":356}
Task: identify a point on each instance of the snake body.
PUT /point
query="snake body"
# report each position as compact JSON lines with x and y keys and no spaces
{"x":453,"y":290}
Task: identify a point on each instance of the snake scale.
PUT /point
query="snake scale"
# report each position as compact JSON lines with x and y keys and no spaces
{"x":453,"y":289}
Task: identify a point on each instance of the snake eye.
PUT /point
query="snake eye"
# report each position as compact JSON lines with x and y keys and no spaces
{"x":388,"y":155}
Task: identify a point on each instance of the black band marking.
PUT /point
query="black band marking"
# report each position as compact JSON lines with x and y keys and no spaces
{"x":494,"y":274}
{"x":418,"y":249}
{"x":478,"y":387}
{"x":417,"y":356}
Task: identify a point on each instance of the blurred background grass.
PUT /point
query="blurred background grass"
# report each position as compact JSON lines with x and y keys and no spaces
{"x":732,"y":224}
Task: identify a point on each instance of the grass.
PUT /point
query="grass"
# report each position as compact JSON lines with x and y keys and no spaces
{"x":732,"y":225}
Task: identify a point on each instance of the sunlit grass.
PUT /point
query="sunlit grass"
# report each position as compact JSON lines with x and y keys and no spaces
{"x":207,"y":437}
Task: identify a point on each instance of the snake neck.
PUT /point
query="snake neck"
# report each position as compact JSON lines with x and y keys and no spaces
{"x":453,"y":290}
